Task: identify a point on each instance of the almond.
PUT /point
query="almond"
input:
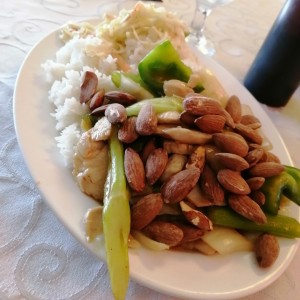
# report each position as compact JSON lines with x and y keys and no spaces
{"x":229,"y":121}
{"x":127,"y":133}
{"x":231,"y":142}
{"x":148,"y":148}
{"x":146,"y":122}
{"x":119,"y":97}
{"x":199,"y":105}
{"x":250,"y":121}
{"x":178,"y":186}
{"x":249,"y":134}
{"x":211,"y":123}
{"x":233,"y":182}
{"x":134,"y":170}
{"x":255,"y":183}
{"x":190,"y":233}
{"x":269,"y":156}
{"x":97,"y":100}
{"x":254,"y":156}
{"x":259,"y":197}
{"x":245,"y":206}
{"x":234,"y":108}
{"x":196,"y":217}
{"x":145,"y":210}
{"x":197,"y":158}
{"x":266,"y":250}
{"x":188,"y":118}
{"x":88,"y":86}
{"x":232,"y":161}
{"x":164,"y":232}
{"x":156,"y":164}
{"x":116,"y":113}
{"x":211,"y":187}
{"x":266,"y":169}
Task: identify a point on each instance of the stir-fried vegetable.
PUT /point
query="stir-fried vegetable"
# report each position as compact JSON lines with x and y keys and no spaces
{"x":116,"y":219}
{"x":287,"y":183}
{"x":278,"y":225}
{"x":160,"y":105}
{"x":162,"y":63}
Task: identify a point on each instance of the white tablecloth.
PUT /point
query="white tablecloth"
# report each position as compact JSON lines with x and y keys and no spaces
{"x":39,"y":259}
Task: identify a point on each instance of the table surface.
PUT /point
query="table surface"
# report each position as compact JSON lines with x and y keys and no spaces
{"x":39,"y":258}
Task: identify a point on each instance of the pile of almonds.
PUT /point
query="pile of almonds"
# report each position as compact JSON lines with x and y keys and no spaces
{"x":176,"y":164}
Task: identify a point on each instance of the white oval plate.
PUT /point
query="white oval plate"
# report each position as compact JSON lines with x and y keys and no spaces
{"x":188,"y":275}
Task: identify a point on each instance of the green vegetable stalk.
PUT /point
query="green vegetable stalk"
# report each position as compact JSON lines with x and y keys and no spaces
{"x":287,"y":183}
{"x":160,"y":105}
{"x":160,"y":64}
{"x":116,"y":220}
{"x":278,"y":225}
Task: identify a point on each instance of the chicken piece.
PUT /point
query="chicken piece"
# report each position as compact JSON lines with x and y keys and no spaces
{"x":90,"y":165}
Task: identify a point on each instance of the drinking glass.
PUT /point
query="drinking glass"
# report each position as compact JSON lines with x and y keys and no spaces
{"x":197,"y":36}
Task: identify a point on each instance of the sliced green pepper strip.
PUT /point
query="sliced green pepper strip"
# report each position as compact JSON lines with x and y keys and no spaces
{"x":278,"y":225}
{"x":116,"y":220}
{"x":160,"y":105}
{"x":160,"y":64}
{"x":287,"y":183}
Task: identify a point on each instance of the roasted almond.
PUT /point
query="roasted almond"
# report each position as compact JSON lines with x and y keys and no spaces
{"x":269,"y":156}
{"x":254,"y":156}
{"x":145,"y":210}
{"x":229,"y":121}
{"x":196,"y":217}
{"x":231,"y":142}
{"x":233,"y":182}
{"x":88,"y":86}
{"x":190,"y":232}
{"x":97,"y":100}
{"x":178,"y":186}
{"x":210,"y":123}
{"x":188,"y":118}
{"x":266,"y":250}
{"x":211,"y":186}
{"x":119,"y":97}
{"x":127,"y":133}
{"x":259,"y":197}
{"x":250,"y":121}
{"x":116,"y":113}
{"x":266,"y":169}
{"x":234,"y":108}
{"x":197,"y":158}
{"x":255,"y":183}
{"x":199,"y":105}
{"x":146,"y":122}
{"x":156,"y":164}
{"x":246,"y":207}
{"x":164,"y":232}
{"x":249,"y":134}
{"x":232,"y":161}
{"x":134,"y":170}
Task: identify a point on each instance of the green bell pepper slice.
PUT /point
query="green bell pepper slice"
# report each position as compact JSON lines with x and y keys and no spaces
{"x":278,"y":225}
{"x":160,"y":64}
{"x":287,"y":183}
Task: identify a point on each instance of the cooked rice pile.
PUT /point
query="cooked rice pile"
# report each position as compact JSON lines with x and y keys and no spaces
{"x":116,"y":43}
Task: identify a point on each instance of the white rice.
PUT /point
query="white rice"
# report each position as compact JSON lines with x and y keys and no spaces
{"x":93,"y":52}
{"x":89,"y":52}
